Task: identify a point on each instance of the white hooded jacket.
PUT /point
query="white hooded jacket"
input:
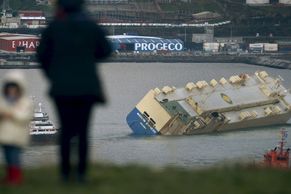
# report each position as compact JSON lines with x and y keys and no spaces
{"x":15,"y":131}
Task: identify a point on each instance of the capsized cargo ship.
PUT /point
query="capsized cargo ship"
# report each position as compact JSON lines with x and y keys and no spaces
{"x":241,"y":101}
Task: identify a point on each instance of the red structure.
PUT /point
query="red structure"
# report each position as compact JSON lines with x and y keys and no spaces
{"x":31,"y":13}
{"x":32,"y":17}
{"x":279,"y":156}
{"x":18,"y":42}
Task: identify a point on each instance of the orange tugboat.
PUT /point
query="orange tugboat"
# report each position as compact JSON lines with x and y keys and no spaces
{"x":279,"y":156}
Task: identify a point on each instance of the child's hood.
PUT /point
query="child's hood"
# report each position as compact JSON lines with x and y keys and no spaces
{"x":16,"y":77}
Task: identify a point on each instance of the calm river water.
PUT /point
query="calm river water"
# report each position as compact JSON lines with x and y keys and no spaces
{"x":126,"y":84}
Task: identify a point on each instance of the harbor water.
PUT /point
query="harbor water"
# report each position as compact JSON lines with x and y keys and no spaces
{"x":126,"y":83}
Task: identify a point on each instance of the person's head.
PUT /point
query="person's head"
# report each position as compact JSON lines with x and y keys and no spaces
{"x":70,"y":6}
{"x":12,"y":91}
{"x":13,"y":86}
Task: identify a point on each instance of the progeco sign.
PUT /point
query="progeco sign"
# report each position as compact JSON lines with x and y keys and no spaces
{"x":158,"y":46}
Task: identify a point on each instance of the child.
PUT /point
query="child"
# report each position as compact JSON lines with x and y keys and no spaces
{"x":16,"y":111}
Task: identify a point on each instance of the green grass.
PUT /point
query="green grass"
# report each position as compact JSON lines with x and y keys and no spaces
{"x":107,"y":179}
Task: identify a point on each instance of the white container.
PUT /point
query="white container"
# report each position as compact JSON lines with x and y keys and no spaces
{"x":270,"y":47}
{"x":256,"y":48}
{"x":257,"y":2}
{"x":256,"y":45}
{"x":211,"y":46}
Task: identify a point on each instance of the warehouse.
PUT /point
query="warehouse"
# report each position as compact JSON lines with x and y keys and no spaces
{"x":127,"y":43}
{"x":32,"y":18}
{"x":18,"y":42}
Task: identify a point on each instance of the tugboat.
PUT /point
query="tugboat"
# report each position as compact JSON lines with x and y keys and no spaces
{"x":42,"y":129}
{"x":279,"y":156}
{"x":240,"y":101}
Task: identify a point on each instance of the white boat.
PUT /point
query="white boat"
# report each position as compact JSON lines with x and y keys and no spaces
{"x":42,"y":128}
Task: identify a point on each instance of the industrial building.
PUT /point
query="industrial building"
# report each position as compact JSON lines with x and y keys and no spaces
{"x":18,"y":42}
{"x":127,"y":43}
{"x":120,"y":43}
{"x":43,"y":2}
{"x":32,"y":18}
{"x":27,"y":18}
{"x":263,"y":47}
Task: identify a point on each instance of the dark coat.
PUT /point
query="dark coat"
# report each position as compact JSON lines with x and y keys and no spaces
{"x":68,"y":52}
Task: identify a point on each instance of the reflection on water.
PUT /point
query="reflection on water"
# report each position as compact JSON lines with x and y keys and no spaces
{"x":126,"y":84}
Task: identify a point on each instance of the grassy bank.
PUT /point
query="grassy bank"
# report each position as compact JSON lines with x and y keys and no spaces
{"x":138,"y":180}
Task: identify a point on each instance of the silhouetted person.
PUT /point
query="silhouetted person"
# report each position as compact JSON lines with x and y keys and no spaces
{"x":69,"y":49}
{"x":16,"y":112}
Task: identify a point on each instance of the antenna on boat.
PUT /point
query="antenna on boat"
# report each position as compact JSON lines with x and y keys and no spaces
{"x":33,"y":102}
{"x":284,"y":135}
{"x":40,"y":107}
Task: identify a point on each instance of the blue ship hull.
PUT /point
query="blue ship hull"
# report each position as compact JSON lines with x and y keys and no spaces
{"x":139,"y":124}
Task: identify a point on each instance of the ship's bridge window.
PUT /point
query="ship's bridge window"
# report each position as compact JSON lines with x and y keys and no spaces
{"x":38,"y":114}
{"x":165,"y":100}
{"x":153,"y":120}
{"x":146,"y":114}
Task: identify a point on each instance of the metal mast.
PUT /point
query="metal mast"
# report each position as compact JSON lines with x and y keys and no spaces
{"x":5,"y":7}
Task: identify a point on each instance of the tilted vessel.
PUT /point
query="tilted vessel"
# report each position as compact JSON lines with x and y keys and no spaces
{"x":240,"y":101}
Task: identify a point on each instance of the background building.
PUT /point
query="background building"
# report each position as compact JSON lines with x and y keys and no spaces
{"x":31,"y":18}
{"x":18,"y":42}
{"x":127,"y":43}
{"x":288,"y":2}
{"x":43,"y":2}
{"x":257,"y":2}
